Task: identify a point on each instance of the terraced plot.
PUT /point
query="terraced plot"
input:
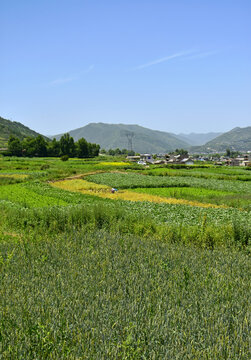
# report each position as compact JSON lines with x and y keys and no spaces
{"x":22,"y":195}
{"x":226,"y":198}
{"x":220,"y":173}
{"x":14,"y":176}
{"x":133,"y":180}
{"x":104,"y":191}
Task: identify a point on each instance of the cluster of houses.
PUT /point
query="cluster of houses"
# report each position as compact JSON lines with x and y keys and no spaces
{"x":144,"y":159}
{"x":244,"y":160}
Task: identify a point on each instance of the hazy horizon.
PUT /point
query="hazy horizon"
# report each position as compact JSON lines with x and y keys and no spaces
{"x":173,"y":66}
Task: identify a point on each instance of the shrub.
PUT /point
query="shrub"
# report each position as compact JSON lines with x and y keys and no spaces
{"x":64,"y":158}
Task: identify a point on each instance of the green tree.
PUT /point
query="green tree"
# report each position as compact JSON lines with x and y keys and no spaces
{"x":179,"y":152}
{"x":14,"y":146}
{"x":67,"y":145}
{"x":117,"y":151}
{"x":29,"y":146}
{"x":53,"y":148}
{"x":82,"y":148}
{"x":111,"y":152}
{"x":93,"y":149}
{"x":40,"y":146}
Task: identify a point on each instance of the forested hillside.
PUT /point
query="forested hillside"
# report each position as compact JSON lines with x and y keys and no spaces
{"x":17,"y":129}
{"x":237,"y":139}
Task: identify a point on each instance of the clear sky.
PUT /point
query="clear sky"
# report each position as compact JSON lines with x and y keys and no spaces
{"x":171,"y":65}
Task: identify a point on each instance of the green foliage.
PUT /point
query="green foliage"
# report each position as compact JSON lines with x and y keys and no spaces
{"x":116,"y":152}
{"x":38,"y":147}
{"x":67,"y":146}
{"x":34,"y":146}
{"x":12,"y":128}
{"x":64,"y":158}
{"x":53,"y":148}
{"x":231,"y":153}
{"x":180,"y":152}
{"x":95,"y":295}
{"x":14,"y":146}
{"x":82,"y":148}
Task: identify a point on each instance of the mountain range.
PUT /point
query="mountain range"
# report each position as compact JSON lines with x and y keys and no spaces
{"x":140,"y":139}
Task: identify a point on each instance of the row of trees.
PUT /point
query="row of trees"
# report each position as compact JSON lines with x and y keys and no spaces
{"x":115,"y":152}
{"x":41,"y":148}
{"x":179,"y":152}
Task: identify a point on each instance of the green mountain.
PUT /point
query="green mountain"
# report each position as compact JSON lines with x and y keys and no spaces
{"x":238,"y":139}
{"x":198,"y":139}
{"x":17,"y":129}
{"x":141,"y":139}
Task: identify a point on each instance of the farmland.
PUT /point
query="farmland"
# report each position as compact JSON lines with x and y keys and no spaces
{"x":158,"y":270}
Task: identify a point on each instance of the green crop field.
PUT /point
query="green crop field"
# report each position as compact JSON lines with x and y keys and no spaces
{"x":158,"y":270}
{"x":220,"y":173}
{"x":232,"y":199}
{"x":134,"y":180}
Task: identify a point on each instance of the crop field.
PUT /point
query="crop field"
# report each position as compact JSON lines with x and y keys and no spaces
{"x":160,"y":269}
{"x":26,"y":197}
{"x":207,"y":196}
{"x":132,"y":180}
{"x":104,"y":191}
{"x":209,"y":172}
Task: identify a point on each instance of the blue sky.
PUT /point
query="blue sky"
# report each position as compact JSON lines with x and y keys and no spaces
{"x":171,"y":65}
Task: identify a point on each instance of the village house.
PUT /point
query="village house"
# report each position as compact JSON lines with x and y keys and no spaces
{"x":179,"y":159}
{"x":245,"y":160}
{"x":133,"y":158}
{"x":147,"y":158}
{"x":187,"y":161}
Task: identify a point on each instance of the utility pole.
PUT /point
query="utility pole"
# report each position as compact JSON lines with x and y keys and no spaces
{"x":129,"y":136}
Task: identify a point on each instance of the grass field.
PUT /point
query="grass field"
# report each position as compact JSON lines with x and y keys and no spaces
{"x":158,"y":270}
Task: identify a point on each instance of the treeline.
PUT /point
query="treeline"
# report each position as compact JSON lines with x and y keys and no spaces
{"x":116,"y":152}
{"x":39,"y":147}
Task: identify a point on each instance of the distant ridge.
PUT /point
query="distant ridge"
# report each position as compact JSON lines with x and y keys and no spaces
{"x":17,"y":129}
{"x":197,"y":139}
{"x":237,"y":139}
{"x":112,"y":136}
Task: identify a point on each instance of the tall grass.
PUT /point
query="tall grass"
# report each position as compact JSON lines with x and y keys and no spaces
{"x":56,"y":219}
{"x":95,"y":295}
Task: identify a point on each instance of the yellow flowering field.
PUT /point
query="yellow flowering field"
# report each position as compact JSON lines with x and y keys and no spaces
{"x":104,"y":191}
{"x":14,"y":176}
{"x":114,"y":163}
